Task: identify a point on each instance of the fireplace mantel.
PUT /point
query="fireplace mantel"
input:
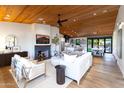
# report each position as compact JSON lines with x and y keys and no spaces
{"x":42,"y":44}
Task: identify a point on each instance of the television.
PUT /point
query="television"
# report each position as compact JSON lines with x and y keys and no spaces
{"x":42,"y":39}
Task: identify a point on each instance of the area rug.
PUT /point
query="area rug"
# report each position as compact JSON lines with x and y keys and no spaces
{"x":44,"y":82}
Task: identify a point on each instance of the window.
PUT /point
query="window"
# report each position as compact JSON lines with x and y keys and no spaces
{"x":89,"y":45}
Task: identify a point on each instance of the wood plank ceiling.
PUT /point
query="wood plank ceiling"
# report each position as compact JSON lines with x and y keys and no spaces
{"x":83,"y":20}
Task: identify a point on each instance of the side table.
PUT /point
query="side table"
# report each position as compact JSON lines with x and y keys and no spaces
{"x":60,"y":74}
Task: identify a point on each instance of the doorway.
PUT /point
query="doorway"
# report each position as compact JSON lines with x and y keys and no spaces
{"x":108,"y":45}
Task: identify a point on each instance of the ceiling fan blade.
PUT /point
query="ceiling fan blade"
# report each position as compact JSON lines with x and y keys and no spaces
{"x":59,"y":21}
{"x":64,"y":20}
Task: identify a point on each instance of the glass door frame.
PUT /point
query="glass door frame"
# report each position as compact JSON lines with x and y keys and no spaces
{"x":91,"y":43}
{"x":110,"y":37}
{"x":97,"y":42}
{"x":111,"y":44}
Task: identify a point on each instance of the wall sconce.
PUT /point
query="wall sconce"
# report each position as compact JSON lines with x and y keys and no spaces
{"x":120,"y":25}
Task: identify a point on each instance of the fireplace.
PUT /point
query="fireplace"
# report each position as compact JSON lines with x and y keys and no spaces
{"x":42,"y":51}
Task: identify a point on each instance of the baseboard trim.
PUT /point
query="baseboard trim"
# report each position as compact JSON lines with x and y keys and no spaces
{"x":118,"y":65}
{"x":114,"y":57}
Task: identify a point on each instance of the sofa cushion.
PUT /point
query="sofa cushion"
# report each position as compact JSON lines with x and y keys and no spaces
{"x":69,"y":58}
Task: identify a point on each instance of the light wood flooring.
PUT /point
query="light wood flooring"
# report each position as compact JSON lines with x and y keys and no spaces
{"x":6,"y":79}
{"x":103,"y":74}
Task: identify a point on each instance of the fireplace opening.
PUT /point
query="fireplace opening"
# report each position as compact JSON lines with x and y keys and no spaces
{"x":42,"y":52}
{"x":42,"y":55}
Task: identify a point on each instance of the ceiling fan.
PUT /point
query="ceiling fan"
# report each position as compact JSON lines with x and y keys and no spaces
{"x":59,"y":21}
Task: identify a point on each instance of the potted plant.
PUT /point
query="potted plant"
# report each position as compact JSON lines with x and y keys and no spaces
{"x":55,"y":41}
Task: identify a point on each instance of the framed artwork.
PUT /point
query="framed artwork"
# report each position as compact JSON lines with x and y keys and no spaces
{"x":42,"y":39}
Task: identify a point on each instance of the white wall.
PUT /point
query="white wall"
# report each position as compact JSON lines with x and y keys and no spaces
{"x":54,"y":32}
{"x":19,"y":30}
{"x":25,"y":33}
{"x":120,"y":18}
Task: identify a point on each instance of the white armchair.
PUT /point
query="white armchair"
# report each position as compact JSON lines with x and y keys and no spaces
{"x":24,"y":68}
{"x":33,"y":72}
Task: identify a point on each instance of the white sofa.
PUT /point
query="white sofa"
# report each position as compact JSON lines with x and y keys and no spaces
{"x":24,"y":68}
{"x":76,"y":67}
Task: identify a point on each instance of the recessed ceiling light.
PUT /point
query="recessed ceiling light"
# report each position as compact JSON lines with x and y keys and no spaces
{"x":44,"y":22}
{"x":94,"y":33}
{"x":94,"y":14}
{"x":105,"y":11}
{"x":74,"y":20}
{"x":7,"y":15}
{"x":40,"y":19}
{"x":6,"y":18}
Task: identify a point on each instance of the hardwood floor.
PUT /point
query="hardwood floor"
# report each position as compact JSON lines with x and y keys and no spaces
{"x":104,"y":73}
{"x":6,"y":79}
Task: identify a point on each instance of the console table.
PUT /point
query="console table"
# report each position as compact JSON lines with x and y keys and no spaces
{"x":5,"y":58}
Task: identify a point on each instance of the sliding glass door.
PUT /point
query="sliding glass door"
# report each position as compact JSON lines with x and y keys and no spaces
{"x":101,"y":43}
{"x":95,"y":43}
{"x":108,"y":45}
{"x":104,"y":43}
{"x":89,"y":45}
